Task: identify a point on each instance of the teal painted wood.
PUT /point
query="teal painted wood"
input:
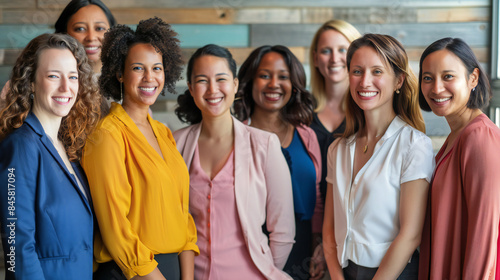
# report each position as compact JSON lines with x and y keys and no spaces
{"x":4,"y":74}
{"x":191,"y":35}
{"x":476,"y":34}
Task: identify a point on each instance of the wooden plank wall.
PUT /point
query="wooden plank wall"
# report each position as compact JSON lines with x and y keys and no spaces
{"x":243,"y":25}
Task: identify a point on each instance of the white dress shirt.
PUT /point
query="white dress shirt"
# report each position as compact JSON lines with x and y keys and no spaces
{"x":366,"y":211}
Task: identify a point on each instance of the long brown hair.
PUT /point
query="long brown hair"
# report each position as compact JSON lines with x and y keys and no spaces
{"x":84,"y":114}
{"x":405,"y":104}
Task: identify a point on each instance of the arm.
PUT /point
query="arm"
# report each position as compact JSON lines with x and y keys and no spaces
{"x":22,"y":157}
{"x":329,"y":243}
{"x":413,"y":202}
{"x":481,"y":187}
{"x":104,"y":163}
{"x":186,"y":259}
{"x":279,"y":204}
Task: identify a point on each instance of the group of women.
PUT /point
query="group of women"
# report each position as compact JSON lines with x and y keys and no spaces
{"x":268,"y":181}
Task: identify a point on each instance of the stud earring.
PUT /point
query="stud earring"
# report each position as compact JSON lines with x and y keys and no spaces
{"x":32,"y":96}
{"x":397,"y":91}
{"x":474,"y":89}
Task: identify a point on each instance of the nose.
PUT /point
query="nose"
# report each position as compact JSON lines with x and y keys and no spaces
{"x":273,"y":82}
{"x":212,"y":87}
{"x":148,"y":75}
{"x":64,"y":85}
{"x":365,"y":80}
{"x":437,"y":86}
{"x":333,"y":56}
{"x":91,"y":35}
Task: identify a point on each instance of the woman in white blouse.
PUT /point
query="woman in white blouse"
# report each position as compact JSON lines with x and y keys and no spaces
{"x":379,"y":170}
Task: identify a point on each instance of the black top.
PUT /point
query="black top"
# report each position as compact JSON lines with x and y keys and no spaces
{"x":325,"y":138}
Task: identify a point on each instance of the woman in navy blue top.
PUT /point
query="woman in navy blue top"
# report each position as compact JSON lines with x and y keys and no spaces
{"x":45,"y":205}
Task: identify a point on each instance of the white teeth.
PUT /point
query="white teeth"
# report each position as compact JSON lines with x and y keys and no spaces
{"x":147,"y":88}
{"x":91,"y":48}
{"x":272,"y":95}
{"x":367,"y":93}
{"x":337,"y":68}
{"x":214,"y":100}
{"x":64,"y":100}
{"x":442,"y":99}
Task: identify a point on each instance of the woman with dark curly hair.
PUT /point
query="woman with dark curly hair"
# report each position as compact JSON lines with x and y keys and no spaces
{"x":231,"y":164}
{"x":138,"y":180}
{"x":52,"y":105}
{"x":272,"y":97}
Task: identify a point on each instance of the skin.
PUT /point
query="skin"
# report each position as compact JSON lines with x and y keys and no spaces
{"x":271,"y":91}
{"x":213,"y":88}
{"x":88,"y":26}
{"x":330,"y":59}
{"x":446,"y":87}
{"x":369,"y":73}
{"x":55,"y":91}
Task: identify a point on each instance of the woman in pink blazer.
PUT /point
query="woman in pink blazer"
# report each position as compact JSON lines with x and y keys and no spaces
{"x":239,"y":178}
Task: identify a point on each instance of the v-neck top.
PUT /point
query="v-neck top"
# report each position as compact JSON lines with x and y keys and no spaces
{"x":141,"y":200}
{"x":223,"y":251}
{"x":461,"y":229}
{"x":366,"y":211}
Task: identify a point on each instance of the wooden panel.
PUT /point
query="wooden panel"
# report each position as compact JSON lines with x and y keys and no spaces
{"x":377,"y":15}
{"x":268,"y":16}
{"x":195,"y":36}
{"x":454,"y":14}
{"x":30,"y":16}
{"x":17,"y":3}
{"x":17,"y":36}
{"x":274,"y":3}
{"x":173,"y":16}
{"x":317,"y":15}
{"x":4,"y":74}
{"x":9,"y":56}
{"x":411,"y":34}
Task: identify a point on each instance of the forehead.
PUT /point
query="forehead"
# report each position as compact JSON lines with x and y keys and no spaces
{"x":90,"y":13}
{"x":211,"y":62}
{"x":443,"y":59}
{"x":332,"y":37}
{"x":56,"y":59}
{"x":273,"y":60}
{"x":367,"y":55}
{"x":142,"y":52}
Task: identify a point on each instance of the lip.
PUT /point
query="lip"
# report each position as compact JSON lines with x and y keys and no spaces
{"x":92,"y":49}
{"x":213,"y":101}
{"x":441,"y":101}
{"x":148,"y":90}
{"x":62,"y":100}
{"x":272,"y":96}
{"x":367,"y":94}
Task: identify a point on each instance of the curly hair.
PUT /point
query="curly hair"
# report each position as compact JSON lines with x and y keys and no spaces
{"x":117,"y":43}
{"x":406,"y":103}
{"x":187,"y":111}
{"x":298,"y":110}
{"x":85,"y":113}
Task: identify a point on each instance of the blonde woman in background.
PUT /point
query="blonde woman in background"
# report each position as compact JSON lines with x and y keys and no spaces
{"x":329,"y":84}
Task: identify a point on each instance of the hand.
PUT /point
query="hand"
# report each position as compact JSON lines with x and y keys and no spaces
{"x":318,"y":263}
{"x":153,"y":275}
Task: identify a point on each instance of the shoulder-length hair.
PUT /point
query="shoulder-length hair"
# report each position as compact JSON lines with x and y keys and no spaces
{"x":298,"y":110}
{"x":85,"y":113}
{"x":317,"y":80}
{"x":405,"y":104}
{"x":117,"y":43}
{"x":480,"y":96}
{"x":73,"y":7}
{"x":187,"y":111}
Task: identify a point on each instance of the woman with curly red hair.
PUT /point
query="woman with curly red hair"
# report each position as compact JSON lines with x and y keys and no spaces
{"x":45,"y":204}
{"x":138,"y":180}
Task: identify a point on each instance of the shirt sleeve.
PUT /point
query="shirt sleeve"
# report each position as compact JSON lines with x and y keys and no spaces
{"x":279,"y":206}
{"x":481,"y":186}
{"x":418,"y":162}
{"x":18,"y":172}
{"x":104,"y":163}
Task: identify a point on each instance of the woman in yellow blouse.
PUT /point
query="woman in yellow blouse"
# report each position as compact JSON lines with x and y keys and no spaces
{"x":138,"y":180}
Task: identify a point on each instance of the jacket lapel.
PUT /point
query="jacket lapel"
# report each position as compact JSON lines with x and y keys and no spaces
{"x":242,"y":157}
{"x":35,"y":124}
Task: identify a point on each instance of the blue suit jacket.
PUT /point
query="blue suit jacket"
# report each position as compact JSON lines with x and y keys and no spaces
{"x":46,"y":221}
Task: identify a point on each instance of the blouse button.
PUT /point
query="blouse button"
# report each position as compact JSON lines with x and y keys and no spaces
{"x":208,"y":210}
{"x":209,"y":196}
{"x":208,"y":224}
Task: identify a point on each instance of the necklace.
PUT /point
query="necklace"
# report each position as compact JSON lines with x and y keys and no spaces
{"x":365,"y":148}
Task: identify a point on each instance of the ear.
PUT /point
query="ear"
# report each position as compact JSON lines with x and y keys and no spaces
{"x":119,"y":77}
{"x":473,"y":78}
{"x":400,"y":80}
{"x":236,"y":84}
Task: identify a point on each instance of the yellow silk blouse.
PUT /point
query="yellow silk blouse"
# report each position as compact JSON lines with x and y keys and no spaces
{"x":141,"y":200}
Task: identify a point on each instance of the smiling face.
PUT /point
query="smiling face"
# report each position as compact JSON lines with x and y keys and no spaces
{"x":56,"y":84}
{"x":272,"y":87}
{"x":88,"y":26}
{"x":212,"y":86}
{"x":445,"y":83}
{"x":143,"y":76}
{"x":330,"y":56}
{"x":372,"y":81}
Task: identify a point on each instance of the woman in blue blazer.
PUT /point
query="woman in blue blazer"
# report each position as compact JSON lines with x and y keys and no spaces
{"x":45,"y":205}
